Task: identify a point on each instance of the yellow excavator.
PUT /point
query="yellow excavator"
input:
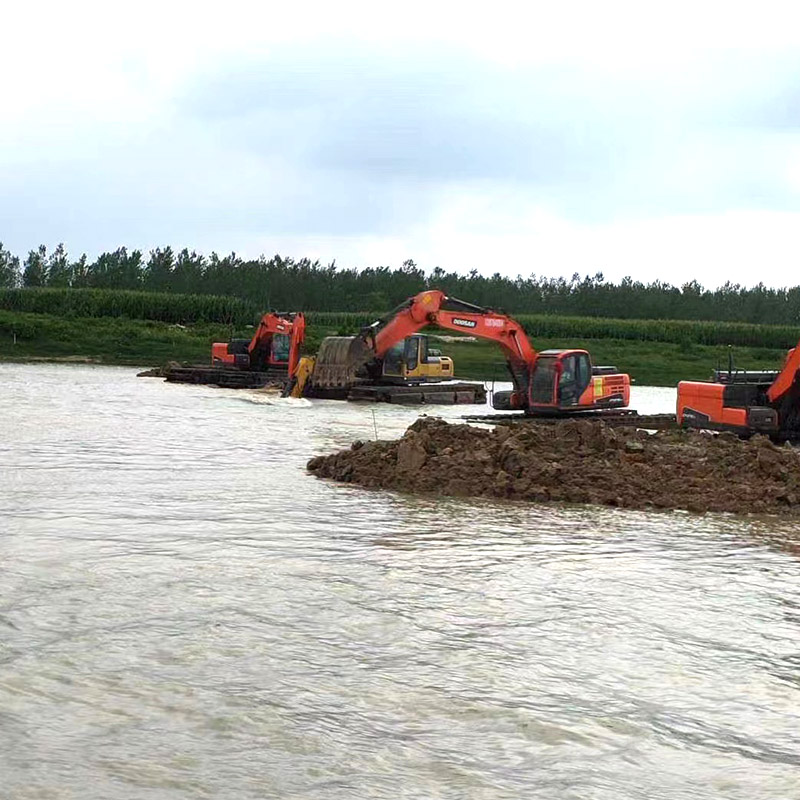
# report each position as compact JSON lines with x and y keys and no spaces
{"x":410,"y":361}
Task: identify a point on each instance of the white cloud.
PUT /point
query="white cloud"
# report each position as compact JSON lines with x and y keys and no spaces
{"x":657,"y":141}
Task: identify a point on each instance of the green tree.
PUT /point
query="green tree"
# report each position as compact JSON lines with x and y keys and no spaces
{"x":9,"y":269}
{"x":59,"y":270}
{"x":34,"y":270}
{"x":158,"y":272}
{"x":189,"y":269}
{"x":117,"y":270}
{"x":80,"y":272}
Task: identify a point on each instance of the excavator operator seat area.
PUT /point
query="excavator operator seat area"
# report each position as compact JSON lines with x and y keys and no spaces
{"x":576,"y":372}
{"x":560,"y":377}
{"x":411,"y":352}
{"x":411,"y":358}
{"x":393,"y":359}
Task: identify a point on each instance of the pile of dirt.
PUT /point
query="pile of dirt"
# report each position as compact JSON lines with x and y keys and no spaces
{"x":578,"y":461}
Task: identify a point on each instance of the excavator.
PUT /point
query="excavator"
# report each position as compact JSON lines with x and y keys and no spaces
{"x":342,"y":362}
{"x":552,"y":382}
{"x":745,"y":401}
{"x":275,"y":346}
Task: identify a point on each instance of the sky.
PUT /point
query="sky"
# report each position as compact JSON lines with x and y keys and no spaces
{"x":660,"y":141}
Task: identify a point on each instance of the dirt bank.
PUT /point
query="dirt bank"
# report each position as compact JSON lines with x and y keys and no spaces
{"x":578,"y":461}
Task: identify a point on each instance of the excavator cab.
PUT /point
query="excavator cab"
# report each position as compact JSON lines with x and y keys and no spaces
{"x":565,"y":380}
{"x":411,"y":359}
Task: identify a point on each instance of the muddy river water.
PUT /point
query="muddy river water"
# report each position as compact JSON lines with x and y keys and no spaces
{"x":185,"y":613}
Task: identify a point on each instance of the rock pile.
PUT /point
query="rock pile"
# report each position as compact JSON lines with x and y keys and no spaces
{"x":578,"y":461}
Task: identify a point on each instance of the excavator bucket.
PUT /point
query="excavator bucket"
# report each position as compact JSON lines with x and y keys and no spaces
{"x":339,"y":360}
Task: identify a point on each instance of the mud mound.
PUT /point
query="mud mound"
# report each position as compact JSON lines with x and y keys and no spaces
{"x":578,"y":461}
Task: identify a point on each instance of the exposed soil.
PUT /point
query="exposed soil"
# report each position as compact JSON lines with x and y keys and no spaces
{"x":578,"y":461}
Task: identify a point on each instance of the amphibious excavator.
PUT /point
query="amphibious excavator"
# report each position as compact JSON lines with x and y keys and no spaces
{"x":745,"y":401}
{"x":275,"y":346}
{"x":343,"y":362}
{"x":548,"y":382}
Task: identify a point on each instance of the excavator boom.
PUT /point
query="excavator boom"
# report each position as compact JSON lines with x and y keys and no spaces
{"x":435,"y":308}
{"x":786,"y":377}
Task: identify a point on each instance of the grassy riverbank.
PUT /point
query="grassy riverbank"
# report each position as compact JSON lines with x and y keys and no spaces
{"x":116,"y":340}
{"x":105,"y":340}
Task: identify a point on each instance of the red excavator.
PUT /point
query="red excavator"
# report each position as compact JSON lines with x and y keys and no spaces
{"x":745,"y":402}
{"x":546,"y":382}
{"x":275,"y":346}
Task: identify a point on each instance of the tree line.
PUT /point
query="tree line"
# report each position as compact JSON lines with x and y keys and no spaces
{"x":301,"y":284}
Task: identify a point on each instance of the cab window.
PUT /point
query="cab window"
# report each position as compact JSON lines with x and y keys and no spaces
{"x":583,"y":372}
{"x":410,"y":355}
{"x":543,"y":381}
{"x":423,"y":349}
{"x":393,"y":360}
{"x":567,"y":382}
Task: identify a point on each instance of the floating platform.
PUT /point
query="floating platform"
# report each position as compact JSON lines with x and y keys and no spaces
{"x":225,"y":378}
{"x":440,"y":394}
{"x":444,"y":394}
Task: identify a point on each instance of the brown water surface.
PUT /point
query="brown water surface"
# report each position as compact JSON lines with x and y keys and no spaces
{"x":185,"y":612}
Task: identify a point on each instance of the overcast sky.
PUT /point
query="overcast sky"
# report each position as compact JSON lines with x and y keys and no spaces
{"x":657,"y":140}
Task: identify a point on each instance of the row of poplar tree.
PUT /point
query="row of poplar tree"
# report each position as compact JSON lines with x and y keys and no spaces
{"x":289,"y":284}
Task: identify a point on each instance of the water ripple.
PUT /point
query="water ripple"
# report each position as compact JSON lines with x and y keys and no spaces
{"x":184,"y":612}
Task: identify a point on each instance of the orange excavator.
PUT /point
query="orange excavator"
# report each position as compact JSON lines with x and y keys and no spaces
{"x":275,"y":346}
{"x":745,"y":402}
{"x":546,"y":382}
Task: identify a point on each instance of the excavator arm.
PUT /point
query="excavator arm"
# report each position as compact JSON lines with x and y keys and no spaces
{"x":435,"y":308}
{"x":296,"y":340}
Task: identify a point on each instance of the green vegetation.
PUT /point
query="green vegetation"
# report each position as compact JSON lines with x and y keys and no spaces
{"x":109,"y":340}
{"x":117,"y":340}
{"x":287,"y":283}
{"x":186,"y":309}
{"x":683,"y":332}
